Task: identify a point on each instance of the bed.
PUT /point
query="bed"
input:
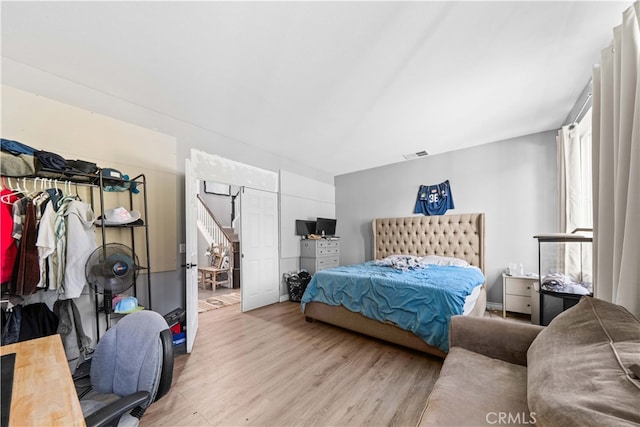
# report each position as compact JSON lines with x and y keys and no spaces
{"x":457,"y":236}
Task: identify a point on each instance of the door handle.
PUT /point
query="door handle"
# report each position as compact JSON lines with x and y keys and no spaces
{"x":189,"y":265}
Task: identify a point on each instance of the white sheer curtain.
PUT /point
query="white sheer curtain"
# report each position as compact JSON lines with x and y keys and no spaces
{"x":574,"y":148}
{"x":575,"y":163}
{"x":616,"y":166}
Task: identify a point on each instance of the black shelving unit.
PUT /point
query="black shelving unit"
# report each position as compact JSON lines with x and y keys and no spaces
{"x":559,"y":301}
{"x":97,"y":182}
{"x":140,"y":182}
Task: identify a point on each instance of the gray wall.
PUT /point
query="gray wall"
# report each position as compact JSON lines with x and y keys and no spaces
{"x":513,"y":182}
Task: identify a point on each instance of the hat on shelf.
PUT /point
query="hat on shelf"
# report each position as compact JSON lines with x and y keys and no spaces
{"x":127,"y":305}
{"x":111,"y":176}
{"x":118,"y":216}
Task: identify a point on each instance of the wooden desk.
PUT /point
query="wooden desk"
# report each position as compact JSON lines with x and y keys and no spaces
{"x":43,"y":391}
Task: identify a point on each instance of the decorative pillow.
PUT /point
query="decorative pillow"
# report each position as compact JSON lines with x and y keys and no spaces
{"x":578,"y":367}
{"x":399,"y":257}
{"x":443,"y":260}
{"x":400,"y":262}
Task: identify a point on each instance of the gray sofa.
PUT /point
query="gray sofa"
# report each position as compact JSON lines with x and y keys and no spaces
{"x":574,"y":372}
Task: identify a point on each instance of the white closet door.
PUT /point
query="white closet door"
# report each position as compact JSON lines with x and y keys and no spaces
{"x":259,"y":248}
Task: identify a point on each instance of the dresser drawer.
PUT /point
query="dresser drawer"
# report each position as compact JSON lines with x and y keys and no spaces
{"x":518,"y":304}
{"x":312,"y":248}
{"x":322,"y":252}
{"x":316,"y":255}
{"x":314,"y":264}
{"x":328,"y":262}
{"x":328,"y":243}
{"x":519,"y":287}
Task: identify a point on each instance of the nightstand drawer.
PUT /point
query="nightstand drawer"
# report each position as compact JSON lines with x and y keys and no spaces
{"x":519,"y":287}
{"x":518,"y":304}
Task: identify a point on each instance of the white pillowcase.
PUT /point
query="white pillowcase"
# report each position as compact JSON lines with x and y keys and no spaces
{"x":443,"y":260}
{"x":400,"y":257}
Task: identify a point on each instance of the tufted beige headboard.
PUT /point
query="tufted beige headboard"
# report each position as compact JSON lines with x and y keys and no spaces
{"x":460,"y":236}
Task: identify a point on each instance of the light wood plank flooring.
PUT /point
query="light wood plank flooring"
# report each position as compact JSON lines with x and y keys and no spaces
{"x":269,"y":367}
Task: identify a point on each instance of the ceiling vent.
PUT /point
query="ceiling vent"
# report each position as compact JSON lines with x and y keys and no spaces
{"x":415,"y":155}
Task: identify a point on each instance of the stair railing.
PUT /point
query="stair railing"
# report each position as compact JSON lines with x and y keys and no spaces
{"x":214,"y":233}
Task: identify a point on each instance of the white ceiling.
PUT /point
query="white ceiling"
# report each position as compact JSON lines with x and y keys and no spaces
{"x":342,"y":85}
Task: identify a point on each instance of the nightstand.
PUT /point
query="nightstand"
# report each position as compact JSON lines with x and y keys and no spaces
{"x":519,"y":295}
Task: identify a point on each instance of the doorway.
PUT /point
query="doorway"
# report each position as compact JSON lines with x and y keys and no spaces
{"x":261,"y":266}
{"x":219,"y":250}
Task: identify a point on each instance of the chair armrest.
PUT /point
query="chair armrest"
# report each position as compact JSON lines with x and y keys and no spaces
{"x":495,"y":338}
{"x":166,"y":375}
{"x":110,"y":415}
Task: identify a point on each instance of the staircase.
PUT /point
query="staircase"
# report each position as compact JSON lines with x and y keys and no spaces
{"x":235,"y":250}
{"x":214,"y":233}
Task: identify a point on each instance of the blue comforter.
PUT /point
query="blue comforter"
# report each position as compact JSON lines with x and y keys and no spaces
{"x":421,"y":301}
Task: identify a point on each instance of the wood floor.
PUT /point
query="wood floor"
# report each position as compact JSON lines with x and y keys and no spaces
{"x":269,"y":367}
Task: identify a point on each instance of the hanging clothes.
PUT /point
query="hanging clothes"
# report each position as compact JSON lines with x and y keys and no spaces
{"x":19,"y":210}
{"x":66,"y":238}
{"x":60,"y":228}
{"x":27,"y":322}
{"x":46,"y":244}
{"x":434,"y":199}
{"x":8,"y":248}
{"x":11,"y":320}
{"x":77,"y":345}
{"x":40,"y":202}
{"x":37,"y":321}
{"x":27,"y":269}
{"x":80,"y":243}
{"x":55,"y":195}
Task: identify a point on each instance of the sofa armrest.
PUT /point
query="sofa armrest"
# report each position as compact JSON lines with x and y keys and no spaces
{"x":495,"y":338}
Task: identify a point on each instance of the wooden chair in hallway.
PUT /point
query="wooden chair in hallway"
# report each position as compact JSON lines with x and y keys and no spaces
{"x":219,"y":272}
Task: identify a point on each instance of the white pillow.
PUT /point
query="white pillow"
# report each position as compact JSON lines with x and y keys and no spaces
{"x":443,"y":260}
{"x":400,"y":257}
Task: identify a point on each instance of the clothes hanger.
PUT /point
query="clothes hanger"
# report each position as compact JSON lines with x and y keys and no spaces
{"x":15,"y":191}
{"x":16,"y":187}
{"x":35,"y":190}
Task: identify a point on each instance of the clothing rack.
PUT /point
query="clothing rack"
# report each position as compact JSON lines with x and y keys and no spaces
{"x":45,"y":183}
{"x":52,"y":179}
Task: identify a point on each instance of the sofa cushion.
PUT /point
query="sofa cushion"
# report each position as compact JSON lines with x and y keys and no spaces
{"x":578,"y":367}
{"x":475,"y":390}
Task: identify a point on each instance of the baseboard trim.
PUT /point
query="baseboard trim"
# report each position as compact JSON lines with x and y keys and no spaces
{"x":284,"y":298}
{"x":494,"y":306}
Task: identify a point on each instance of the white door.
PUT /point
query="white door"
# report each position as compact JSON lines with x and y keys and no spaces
{"x":191,"y":256}
{"x":259,"y":264}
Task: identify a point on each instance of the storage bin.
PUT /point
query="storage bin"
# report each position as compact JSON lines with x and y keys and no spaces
{"x":297,"y":284}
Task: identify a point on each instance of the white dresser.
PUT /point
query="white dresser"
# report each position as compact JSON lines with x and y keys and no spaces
{"x":316,"y":255}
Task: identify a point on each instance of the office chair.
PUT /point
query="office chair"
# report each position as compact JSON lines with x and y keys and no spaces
{"x":131,"y":367}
